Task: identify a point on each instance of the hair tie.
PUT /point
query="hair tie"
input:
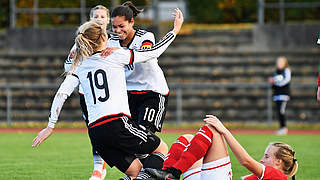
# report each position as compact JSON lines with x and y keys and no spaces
{"x":295,"y":160}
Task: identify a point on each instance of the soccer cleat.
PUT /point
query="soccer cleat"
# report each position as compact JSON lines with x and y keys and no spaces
{"x":167,"y":174}
{"x":104,"y":170}
{"x":282,"y":132}
{"x":96,"y":175}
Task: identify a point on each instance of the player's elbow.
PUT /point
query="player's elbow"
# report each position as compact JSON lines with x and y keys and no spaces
{"x":246,"y":162}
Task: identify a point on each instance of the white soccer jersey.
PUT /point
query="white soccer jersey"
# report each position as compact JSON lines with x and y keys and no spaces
{"x":103,"y":81}
{"x":147,"y":75}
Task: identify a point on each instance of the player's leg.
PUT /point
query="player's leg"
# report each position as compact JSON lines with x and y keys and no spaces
{"x":99,"y":166}
{"x":196,"y":150}
{"x":177,"y":148}
{"x":216,"y":162}
{"x":151,"y":109}
{"x":207,"y":143}
{"x":281,"y":109}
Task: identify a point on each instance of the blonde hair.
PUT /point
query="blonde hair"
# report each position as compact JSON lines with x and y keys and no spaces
{"x":286,"y":64}
{"x":286,"y":153}
{"x":103,"y":8}
{"x":88,"y":39}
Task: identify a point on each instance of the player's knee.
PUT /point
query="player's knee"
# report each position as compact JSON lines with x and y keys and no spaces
{"x":188,"y":137}
{"x":162,"y":148}
{"x":134,"y":168}
{"x":215,"y":133}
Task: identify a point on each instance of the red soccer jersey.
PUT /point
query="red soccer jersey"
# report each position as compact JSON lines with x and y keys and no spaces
{"x":270,"y":173}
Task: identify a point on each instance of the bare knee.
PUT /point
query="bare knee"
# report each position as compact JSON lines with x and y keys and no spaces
{"x":134,"y":169}
{"x":162,"y":148}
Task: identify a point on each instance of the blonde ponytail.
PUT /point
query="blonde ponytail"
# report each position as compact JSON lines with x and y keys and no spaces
{"x":286,"y":153}
{"x":88,"y":40}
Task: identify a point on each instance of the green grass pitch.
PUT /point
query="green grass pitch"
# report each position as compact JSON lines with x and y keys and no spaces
{"x":68,"y":156}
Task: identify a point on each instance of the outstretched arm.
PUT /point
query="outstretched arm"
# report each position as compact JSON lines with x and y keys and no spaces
{"x":241,"y":154}
{"x":142,"y":55}
{"x":66,"y":88}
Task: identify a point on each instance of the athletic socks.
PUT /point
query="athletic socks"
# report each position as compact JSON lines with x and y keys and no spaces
{"x":154,"y":160}
{"x":197,"y":149}
{"x":175,"y":151}
{"x":97,"y":162}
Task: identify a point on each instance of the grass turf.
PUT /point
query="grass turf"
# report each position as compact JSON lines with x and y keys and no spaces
{"x":68,"y":155}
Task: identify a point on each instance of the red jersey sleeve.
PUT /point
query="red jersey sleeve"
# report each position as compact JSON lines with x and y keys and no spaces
{"x":270,"y":173}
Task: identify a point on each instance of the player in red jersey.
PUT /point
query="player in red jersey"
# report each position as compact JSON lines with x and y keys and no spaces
{"x":206,"y":157}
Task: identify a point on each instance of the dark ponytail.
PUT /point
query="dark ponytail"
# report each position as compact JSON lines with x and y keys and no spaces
{"x":127,"y":9}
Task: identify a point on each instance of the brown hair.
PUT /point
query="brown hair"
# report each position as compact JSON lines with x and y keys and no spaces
{"x":88,"y":39}
{"x":286,"y":154}
{"x":100,"y":7}
{"x":127,"y":9}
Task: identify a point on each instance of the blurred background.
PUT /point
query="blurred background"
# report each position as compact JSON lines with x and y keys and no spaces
{"x":219,"y":65}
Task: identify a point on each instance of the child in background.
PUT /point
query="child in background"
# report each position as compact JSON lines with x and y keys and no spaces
{"x":281,"y":91}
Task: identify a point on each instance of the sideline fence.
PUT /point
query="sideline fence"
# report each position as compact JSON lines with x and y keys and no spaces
{"x":177,"y":87}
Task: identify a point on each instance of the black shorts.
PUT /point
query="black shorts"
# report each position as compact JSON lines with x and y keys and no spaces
{"x":119,"y":140}
{"x":148,"y":108}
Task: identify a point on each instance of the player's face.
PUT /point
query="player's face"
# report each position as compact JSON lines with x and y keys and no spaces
{"x":100,"y":17}
{"x":269,"y":159}
{"x":122,"y":27}
{"x":280,"y":63}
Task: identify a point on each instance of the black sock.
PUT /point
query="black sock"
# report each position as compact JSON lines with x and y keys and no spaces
{"x":154,"y":160}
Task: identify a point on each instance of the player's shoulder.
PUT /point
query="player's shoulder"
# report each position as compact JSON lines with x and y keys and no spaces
{"x":114,"y":37}
{"x":272,"y":172}
{"x":143,"y":33}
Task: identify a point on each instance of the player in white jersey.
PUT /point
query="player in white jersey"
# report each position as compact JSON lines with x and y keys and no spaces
{"x":147,"y":87}
{"x":112,"y":133}
{"x":101,"y":16}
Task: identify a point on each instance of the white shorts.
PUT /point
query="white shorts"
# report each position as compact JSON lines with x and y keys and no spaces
{"x":215,"y":170}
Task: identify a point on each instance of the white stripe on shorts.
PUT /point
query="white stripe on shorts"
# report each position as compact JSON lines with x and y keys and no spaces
{"x":141,"y":134}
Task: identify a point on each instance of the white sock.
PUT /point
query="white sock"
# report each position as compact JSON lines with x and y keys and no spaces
{"x":97,"y":162}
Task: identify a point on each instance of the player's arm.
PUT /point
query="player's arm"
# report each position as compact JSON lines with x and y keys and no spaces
{"x":286,"y":79}
{"x":141,"y":55}
{"x":65,"y":90}
{"x":241,"y":154}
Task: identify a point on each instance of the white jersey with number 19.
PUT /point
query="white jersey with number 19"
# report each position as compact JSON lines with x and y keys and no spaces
{"x":103,"y":81}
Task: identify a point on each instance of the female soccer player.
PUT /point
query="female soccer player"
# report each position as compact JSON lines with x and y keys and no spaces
{"x":101,"y":16}
{"x":147,"y":87}
{"x":278,"y":161}
{"x":112,"y":133}
{"x":281,"y":91}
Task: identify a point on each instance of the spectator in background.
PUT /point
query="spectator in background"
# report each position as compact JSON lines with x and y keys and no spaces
{"x":281,"y":91}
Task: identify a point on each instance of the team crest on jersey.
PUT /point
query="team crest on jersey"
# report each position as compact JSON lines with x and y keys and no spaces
{"x":146,"y":44}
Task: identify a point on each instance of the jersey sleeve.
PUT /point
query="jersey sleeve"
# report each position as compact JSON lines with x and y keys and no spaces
{"x":286,"y":79}
{"x":69,"y":60}
{"x":142,"y":55}
{"x":148,"y":41}
{"x":129,"y":56}
{"x":64,"y":91}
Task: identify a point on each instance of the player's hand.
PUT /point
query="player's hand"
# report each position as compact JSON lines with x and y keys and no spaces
{"x":318,"y":94}
{"x":216,"y":123}
{"x":178,"y":20}
{"x":43,"y":135}
{"x":271,"y":80}
{"x":107,"y":51}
